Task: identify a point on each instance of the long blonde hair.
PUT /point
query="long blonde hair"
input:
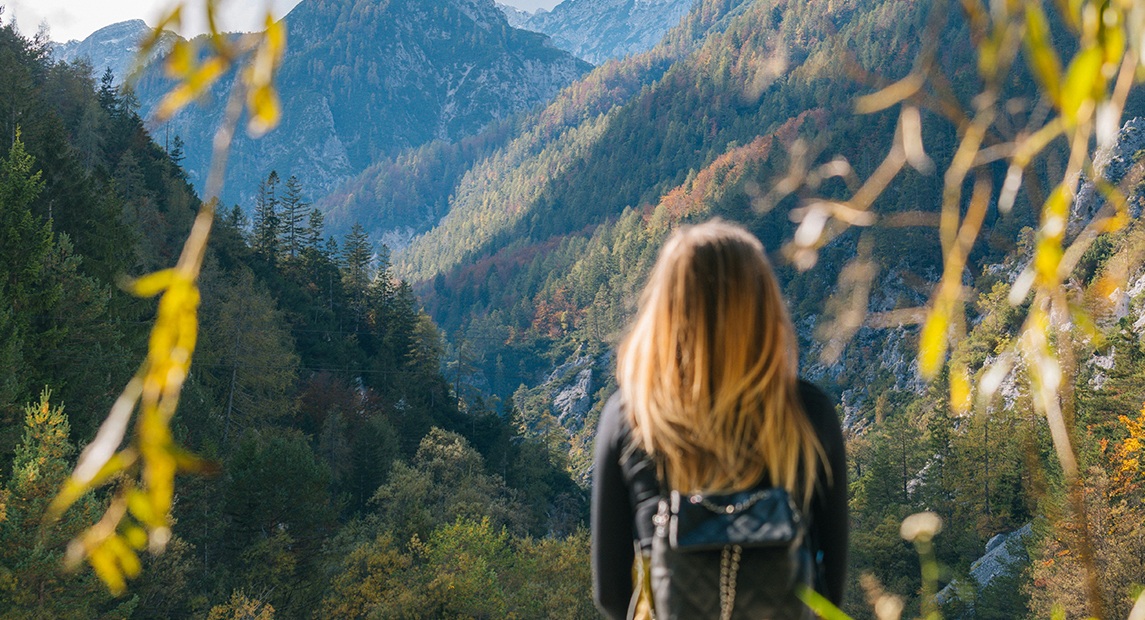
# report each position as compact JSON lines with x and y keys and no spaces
{"x":708,"y":371}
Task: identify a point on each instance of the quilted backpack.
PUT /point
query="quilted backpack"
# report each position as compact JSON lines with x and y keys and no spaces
{"x":730,"y":556}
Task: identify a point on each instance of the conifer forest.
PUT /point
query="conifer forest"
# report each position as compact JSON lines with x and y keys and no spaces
{"x":318,"y":321}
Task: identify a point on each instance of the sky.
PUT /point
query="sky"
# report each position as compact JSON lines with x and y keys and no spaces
{"x":72,"y":19}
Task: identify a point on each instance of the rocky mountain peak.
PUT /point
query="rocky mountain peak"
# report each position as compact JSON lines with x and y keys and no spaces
{"x":597,"y":30}
{"x":113,"y":46}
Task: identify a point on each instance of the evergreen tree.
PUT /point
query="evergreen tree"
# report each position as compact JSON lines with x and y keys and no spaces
{"x":312,"y":239}
{"x":247,"y":354}
{"x":177,"y":151}
{"x":24,"y":239}
{"x":293,"y":213}
{"x":266,"y":225}
{"x":108,"y":93}
{"x":357,"y":270}
{"x":25,"y":243}
{"x":31,"y":557}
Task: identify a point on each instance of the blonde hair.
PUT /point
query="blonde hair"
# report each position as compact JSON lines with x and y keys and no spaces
{"x":708,"y":371}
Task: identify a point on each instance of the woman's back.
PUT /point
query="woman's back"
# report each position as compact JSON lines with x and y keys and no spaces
{"x":709,"y":402}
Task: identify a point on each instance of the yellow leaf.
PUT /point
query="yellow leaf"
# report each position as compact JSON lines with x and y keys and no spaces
{"x":1112,"y":37}
{"x":932,"y":344}
{"x":1043,"y":59}
{"x":192,"y":86}
{"x":140,"y":507}
{"x":135,"y":536}
{"x":104,"y":563}
{"x":73,"y":489}
{"x":180,"y":60}
{"x":1047,"y":257}
{"x":1083,"y":83}
{"x":959,"y":388}
{"x":127,"y":559}
{"x":265,"y":110}
{"x":191,"y":463}
{"x":151,"y":284}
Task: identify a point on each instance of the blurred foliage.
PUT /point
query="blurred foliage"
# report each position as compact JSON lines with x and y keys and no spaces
{"x":1082,"y":100}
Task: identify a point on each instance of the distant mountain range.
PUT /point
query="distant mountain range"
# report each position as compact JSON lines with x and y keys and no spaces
{"x":361,"y":81}
{"x":599,"y":30}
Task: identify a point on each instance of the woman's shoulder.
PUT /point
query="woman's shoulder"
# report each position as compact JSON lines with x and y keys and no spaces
{"x":820,"y":409}
{"x":613,"y":423}
{"x":814,"y":399}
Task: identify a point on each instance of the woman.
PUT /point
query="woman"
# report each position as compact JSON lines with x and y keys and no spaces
{"x":709,"y":401}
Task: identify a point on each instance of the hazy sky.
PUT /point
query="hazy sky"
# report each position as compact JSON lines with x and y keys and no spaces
{"x":72,"y":19}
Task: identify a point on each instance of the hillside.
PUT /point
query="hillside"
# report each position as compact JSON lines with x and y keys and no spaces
{"x":529,"y":211}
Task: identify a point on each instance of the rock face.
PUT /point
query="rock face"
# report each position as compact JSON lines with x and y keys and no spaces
{"x":516,"y":17}
{"x":572,"y":402}
{"x":1004,"y":553}
{"x":113,"y":46}
{"x":361,"y":80}
{"x":1113,"y":164}
{"x":597,"y":30}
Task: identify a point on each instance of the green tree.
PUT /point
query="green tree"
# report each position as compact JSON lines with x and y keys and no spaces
{"x":446,"y":481}
{"x":313,"y":235}
{"x":357,"y":270}
{"x":267,"y":222}
{"x":25,"y":244}
{"x":33,"y":583}
{"x":294,"y":212}
{"x":248,"y":353}
{"x":277,"y":512}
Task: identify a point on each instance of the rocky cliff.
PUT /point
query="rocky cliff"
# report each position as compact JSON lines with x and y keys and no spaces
{"x":597,"y":30}
{"x":113,"y":47}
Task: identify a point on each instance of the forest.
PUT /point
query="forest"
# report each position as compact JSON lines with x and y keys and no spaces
{"x":350,"y":480}
{"x":384,"y":433}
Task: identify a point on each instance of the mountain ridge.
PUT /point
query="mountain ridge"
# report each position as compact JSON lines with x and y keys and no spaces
{"x":361,"y":81}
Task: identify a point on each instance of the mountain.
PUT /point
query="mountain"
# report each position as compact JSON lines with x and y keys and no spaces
{"x":363,"y":80}
{"x":516,"y":17}
{"x":113,"y":47}
{"x":508,"y":164}
{"x":598,"y":30}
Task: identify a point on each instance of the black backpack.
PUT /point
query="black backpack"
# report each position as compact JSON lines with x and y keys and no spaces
{"x":733,"y":556}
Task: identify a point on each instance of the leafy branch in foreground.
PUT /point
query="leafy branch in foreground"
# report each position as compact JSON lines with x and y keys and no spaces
{"x":1081,"y":101}
{"x":143,"y":471}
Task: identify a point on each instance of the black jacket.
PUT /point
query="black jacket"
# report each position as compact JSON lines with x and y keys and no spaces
{"x":625,"y":494}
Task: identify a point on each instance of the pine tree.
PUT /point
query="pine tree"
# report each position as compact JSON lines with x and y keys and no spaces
{"x":177,"y":151}
{"x":35,"y":586}
{"x":264,"y":237}
{"x":357,"y":270}
{"x":108,"y":93}
{"x":25,"y":243}
{"x":293,"y":213}
{"x":312,"y":239}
